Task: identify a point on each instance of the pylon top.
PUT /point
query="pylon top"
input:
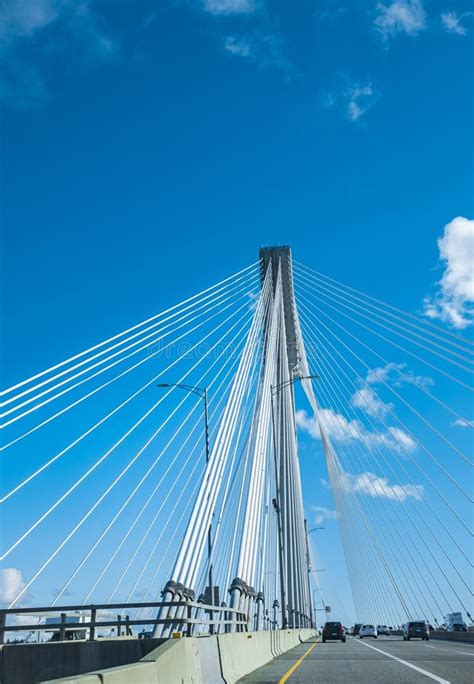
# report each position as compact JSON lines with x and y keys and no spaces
{"x":275,"y":255}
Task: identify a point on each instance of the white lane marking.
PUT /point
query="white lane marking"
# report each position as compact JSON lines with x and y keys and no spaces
{"x":465,"y":653}
{"x":440,"y":680}
{"x":426,"y":646}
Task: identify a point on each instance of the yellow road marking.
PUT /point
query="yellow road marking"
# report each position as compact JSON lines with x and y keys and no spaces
{"x":294,"y":667}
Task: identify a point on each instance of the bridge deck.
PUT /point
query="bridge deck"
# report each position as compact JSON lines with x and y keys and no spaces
{"x":356,"y":662}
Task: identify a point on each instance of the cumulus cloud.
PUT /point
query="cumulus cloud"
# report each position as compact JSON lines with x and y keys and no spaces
{"x":372,"y":485}
{"x":397,"y":374}
{"x":238,"y":46}
{"x":452,"y":22}
{"x":360,"y":99}
{"x":227,"y":7}
{"x":402,"y":438}
{"x":266,"y":47}
{"x":346,"y":431}
{"x":351,"y":101}
{"x":79,"y":29}
{"x":367,"y":400}
{"x":463,"y":423}
{"x":453,"y":302}
{"x":18,"y":19}
{"x":401,"y":16}
{"x":321,"y":513}
{"x":12,"y":583}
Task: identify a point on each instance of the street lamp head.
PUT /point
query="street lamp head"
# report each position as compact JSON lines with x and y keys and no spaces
{"x":163,"y":384}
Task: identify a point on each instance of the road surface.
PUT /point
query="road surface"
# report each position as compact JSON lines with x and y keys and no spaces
{"x":386,"y":660}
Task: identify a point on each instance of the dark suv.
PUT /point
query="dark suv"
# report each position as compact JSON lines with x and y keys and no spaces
{"x":333,"y":630}
{"x":416,"y":630}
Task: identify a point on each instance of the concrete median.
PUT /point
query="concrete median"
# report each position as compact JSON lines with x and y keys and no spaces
{"x":463,"y":637}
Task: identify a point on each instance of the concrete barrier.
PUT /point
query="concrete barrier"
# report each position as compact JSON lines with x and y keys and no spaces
{"x":442,"y":635}
{"x":138,"y":673}
{"x":220,"y":659}
{"x":80,"y":679}
{"x":177,"y":660}
{"x":464,"y":637}
{"x":31,"y":663}
{"x":210,"y":660}
{"x":243,"y":653}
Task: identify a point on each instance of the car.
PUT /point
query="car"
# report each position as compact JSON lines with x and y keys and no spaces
{"x":367,"y":631}
{"x":417,"y":629}
{"x":356,"y":628}
{"x":334,"y":631}
{"x":383,"y":629}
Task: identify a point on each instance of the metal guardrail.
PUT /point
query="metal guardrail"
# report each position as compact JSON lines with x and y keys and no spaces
{"x":186,"y":619}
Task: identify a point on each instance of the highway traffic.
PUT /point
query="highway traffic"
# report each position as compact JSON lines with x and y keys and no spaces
{"x":387,"y":660}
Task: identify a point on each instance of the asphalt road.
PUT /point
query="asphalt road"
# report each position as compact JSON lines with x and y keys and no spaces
{"x":386,"y":660}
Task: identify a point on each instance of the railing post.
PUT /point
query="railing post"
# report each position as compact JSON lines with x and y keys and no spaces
{"x":211,"y":615}
{"x":222,"y":617}
{"x":62,"y":628}
{"x":189,"y":613}
{"x":119,"y":625}
{"x":128,"y":631}
{"x":92,"y":627}
{"x":3,"y":622}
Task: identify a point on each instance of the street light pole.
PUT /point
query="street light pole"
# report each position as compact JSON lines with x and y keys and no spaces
{"x":209,"y":532}
{"x":277,"y":507}
{"x":275,"y":389}
{"x":202,"y":392}
{"x":308,"y":565}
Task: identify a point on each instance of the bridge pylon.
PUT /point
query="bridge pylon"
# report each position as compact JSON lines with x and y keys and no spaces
{"x":273,"y":484}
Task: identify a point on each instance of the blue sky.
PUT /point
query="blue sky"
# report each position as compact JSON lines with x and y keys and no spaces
{"x":150,"y":148}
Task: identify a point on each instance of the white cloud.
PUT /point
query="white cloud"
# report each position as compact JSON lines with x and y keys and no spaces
{"x":367,"y":400}
{"x":452,"y":22}
{"x":20,"y":20}
{"x":401,"y":16}
{"x":226,"y":7}
{"x":238,"y":46}
{"x":352,"y":101}
{"x":397,"y":374}
{"x":359,"y":100}
{"x":24,"y":18}
{"x":346,"y":431}
{"x":79,"y":31}
{"x":12,"y":583}
{"x":454,"y":301}
{"x":372,"y":485}
{"x":402,"y":438}
{"x":334,"y":423}
{"x":265,"y":47}
{"x":461,"y":422}
{"x":381,"y":374}
{"x":321,"y":513}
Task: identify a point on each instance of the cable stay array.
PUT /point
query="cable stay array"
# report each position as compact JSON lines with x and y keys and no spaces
{"x":394,"y":417}
{"x":132,"y":487}
{"x":163,"y":462}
